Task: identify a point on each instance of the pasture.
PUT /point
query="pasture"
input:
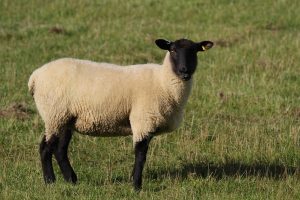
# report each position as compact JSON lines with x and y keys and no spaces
{"x":240,"y":138}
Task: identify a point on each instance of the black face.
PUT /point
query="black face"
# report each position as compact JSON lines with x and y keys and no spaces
{"x":183,"y":54}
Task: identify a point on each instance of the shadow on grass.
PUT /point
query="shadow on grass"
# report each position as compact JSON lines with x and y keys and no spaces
{"x":219,"y":171}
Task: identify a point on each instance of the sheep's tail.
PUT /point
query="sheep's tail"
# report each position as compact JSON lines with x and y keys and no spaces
{"x":31,"y":84}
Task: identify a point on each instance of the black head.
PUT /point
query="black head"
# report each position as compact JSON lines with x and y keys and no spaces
{"x":183,"y":54}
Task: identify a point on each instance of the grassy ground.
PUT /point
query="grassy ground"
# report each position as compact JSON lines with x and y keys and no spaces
{"x":241,"y":134}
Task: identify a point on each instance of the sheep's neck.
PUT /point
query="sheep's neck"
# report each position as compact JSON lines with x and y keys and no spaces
{"x":175,"y":87}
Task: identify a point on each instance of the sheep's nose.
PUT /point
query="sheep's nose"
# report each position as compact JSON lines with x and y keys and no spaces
{"x":186,"y":77}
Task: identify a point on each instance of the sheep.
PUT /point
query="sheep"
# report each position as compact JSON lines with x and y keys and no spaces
{"x":102,"y":99}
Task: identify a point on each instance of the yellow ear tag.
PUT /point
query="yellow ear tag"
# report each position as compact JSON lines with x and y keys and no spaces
{"x":203,"y":48}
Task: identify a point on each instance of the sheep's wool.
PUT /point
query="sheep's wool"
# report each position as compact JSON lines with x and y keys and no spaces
{"x":102,"y":99}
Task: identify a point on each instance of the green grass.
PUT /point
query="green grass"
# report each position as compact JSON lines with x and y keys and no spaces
{"x":241,"y":134}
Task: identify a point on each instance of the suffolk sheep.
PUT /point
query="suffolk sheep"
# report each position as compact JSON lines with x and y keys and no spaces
{"x":102,"y":99}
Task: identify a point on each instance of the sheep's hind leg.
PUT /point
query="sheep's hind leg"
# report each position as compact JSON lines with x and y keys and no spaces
{"x":141,"y":149}
{"x":61,"y":155}
{"x":46,"y":152}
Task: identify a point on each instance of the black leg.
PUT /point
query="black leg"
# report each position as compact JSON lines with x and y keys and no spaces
{"x":61,"y":155}
{"x":141,"y":149}
{"x":46,"y":152}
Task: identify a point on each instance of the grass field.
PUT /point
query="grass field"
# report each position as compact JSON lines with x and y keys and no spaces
{"x":241,"y":135}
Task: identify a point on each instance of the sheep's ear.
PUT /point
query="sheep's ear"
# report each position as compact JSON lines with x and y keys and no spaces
{"x":163,"y":44}
{"x":204,"y":45}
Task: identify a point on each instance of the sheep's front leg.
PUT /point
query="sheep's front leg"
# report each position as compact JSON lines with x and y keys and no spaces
{"x":141,"y":149}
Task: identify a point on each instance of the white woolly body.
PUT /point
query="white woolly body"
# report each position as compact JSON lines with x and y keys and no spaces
{"x":102,"y":99}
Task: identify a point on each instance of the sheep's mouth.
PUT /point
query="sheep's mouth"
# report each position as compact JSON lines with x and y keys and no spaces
{"x":185,"y":77}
